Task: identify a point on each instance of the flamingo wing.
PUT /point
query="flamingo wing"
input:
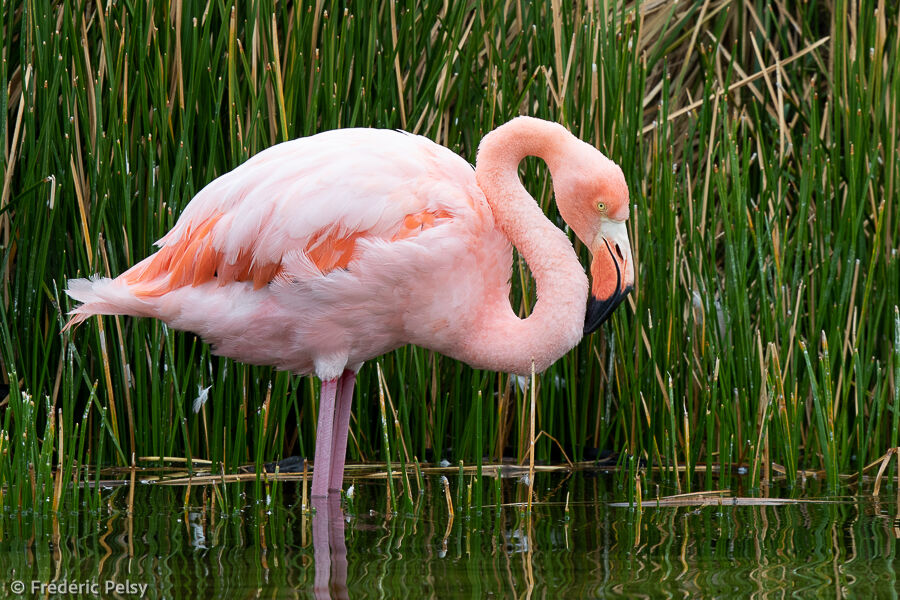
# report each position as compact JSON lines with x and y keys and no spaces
{"x":315,"y":200}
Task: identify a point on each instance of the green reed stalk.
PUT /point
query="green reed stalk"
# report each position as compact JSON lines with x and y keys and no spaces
{"x":895,"y":426}
{"x":392,"y":500}
{"x":823,"y":415}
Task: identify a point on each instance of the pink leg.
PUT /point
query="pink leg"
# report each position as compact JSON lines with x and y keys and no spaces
{"x":341,"y":430}
{"x":324,"y":436}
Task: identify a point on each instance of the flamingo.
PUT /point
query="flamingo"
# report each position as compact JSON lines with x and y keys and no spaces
{"x":321,"y":253}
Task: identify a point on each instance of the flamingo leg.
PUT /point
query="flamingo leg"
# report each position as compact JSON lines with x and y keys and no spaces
{"x":341,"y":430}
{"x":324,"y":437}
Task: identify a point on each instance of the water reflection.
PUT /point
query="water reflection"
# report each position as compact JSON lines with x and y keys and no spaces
{"x":234,"y":541}
{"x":329,"y":548}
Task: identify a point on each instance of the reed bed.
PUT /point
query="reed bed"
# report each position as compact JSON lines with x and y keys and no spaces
{"x":759,"y":142}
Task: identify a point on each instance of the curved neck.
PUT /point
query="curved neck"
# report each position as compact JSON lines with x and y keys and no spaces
{"x":503,"y":341}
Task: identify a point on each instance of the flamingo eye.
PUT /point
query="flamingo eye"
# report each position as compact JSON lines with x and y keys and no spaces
{"x":601,"y":207}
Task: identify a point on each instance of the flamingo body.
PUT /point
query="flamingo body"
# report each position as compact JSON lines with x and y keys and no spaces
{"x":324,"y":252}
{"x":424,"y":252}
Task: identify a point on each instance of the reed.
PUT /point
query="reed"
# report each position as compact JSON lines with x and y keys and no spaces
{"x":759,"y":143}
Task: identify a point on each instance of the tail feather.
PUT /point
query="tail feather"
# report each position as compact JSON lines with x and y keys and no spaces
{"x":103,"y":296}
{"x":77,"y":319}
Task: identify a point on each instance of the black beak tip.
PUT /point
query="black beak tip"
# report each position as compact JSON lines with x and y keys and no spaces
{"x":599,"y":311}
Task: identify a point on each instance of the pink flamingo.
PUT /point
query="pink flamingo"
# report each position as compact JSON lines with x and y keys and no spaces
{"x":324,"y":252}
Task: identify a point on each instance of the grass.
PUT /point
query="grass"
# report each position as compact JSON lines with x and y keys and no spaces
{"x":759,"y":143}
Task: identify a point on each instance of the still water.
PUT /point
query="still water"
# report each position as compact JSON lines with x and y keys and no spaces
{"x":238,"y":540}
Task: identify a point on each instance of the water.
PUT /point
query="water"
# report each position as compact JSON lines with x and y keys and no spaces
{"x":844,"y":546}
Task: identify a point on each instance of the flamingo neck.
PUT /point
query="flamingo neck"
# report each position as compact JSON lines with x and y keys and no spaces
{"x":502,"y":341}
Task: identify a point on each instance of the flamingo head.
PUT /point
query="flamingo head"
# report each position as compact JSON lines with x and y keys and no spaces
{"x":592,"y":198}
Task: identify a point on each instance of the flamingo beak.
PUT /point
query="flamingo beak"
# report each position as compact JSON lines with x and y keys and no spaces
{"x":612,"y":273}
